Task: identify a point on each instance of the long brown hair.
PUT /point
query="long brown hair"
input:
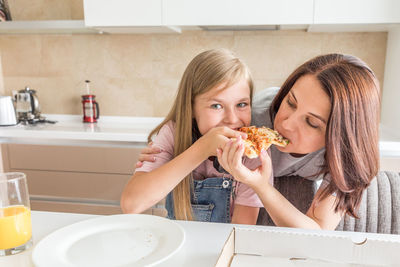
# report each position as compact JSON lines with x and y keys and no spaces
{"x":206,"y":71}
{"x":352,"y":133}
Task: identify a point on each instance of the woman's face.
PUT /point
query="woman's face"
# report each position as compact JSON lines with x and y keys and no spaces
{"x":302,"y":116}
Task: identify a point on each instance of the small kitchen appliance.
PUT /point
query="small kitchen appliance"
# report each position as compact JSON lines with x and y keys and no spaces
{"x":27,"y":107}
{"x":7,"y":111}
{"x":91,"y":111}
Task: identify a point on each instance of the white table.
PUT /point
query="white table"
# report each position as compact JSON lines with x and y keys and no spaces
{"x":202,"y":246}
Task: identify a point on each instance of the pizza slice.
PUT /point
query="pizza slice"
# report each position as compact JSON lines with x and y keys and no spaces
{"x":261,"y":138}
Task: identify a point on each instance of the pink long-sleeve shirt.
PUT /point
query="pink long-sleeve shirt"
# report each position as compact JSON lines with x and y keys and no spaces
{"x":165,"y":140}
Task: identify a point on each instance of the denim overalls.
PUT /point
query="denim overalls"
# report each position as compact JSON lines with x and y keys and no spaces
{"x":210,"y":200}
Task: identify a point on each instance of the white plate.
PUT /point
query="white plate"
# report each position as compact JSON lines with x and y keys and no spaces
{"x":116,"y":240}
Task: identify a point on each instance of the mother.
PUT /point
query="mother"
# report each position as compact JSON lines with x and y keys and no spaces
{"x":329,"y":110}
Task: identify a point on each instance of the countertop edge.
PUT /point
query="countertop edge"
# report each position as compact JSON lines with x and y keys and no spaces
{"x":121,"y":131}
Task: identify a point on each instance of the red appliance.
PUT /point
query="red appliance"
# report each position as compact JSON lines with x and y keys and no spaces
{"x":91,"y":110}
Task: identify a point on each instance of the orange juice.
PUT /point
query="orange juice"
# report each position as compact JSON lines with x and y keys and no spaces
{"x":15,"y":226}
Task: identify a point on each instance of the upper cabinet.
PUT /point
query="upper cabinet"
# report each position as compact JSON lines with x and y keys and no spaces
{"x":355,"y":15}
{"x":170,"y":16}
{"x":152,"y":16}
{"x":123,"y":12}
{"x":45,"y":27}
{"x":356,"y":11}
{"x":237,"y":12}
{"x":125,"y":16}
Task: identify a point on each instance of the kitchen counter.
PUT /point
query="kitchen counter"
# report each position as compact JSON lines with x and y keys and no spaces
{"x":120,"y":132}
{"x":389,"y":144}
{"x":70,"y":130}
{"x":203,"y":241}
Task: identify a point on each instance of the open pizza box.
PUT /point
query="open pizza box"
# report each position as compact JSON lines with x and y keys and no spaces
{"x":271,"y":247}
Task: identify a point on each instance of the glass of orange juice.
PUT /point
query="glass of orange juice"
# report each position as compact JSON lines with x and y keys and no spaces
{"x":15,"y":214}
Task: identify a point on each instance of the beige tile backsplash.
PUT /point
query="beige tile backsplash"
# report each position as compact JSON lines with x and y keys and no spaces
{"x":137,"y":75}
{"x":46,"y":9}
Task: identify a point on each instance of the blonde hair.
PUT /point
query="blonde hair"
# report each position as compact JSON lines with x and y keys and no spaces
{"x":206,"y":71}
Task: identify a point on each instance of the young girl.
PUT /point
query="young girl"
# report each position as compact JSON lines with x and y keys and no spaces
{"x":213,"y":100}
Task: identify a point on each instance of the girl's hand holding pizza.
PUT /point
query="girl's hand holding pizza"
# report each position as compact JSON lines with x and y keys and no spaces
{"x":217,"y":138}
{"x":230,"y":158}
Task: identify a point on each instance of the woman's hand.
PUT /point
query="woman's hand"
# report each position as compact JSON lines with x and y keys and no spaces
{"x":217,"y":138}
{"x":147,"y":154}
{"x":230,"y":158}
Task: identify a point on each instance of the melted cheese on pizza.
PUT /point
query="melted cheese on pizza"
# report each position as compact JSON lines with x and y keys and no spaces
{"x":261,"y":138}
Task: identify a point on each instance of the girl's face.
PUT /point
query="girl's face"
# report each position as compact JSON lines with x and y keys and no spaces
{"x":228,"y":107}
{"x":303,"y":115}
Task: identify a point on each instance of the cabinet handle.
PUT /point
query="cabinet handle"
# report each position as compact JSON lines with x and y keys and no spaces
{"x":75,"y":200}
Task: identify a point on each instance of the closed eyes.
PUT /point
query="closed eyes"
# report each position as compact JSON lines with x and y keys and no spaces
{"x":308,"y":121}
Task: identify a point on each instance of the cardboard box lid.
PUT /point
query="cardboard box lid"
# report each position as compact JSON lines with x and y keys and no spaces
{"x":316,"y":246}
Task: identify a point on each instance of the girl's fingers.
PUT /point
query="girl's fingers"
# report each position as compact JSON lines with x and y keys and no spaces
{"x":230,"y":133}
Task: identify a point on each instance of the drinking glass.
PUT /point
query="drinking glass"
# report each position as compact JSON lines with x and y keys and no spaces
{"x":15,"y":214}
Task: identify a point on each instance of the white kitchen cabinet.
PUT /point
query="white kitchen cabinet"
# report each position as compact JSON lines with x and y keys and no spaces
{"x":166,"y":16}
{"x":236,"y":12}
{"x":45,"y":27}
{"x":125,"y":16}
{"x":356,"y":11}
{"x":123,"y":12}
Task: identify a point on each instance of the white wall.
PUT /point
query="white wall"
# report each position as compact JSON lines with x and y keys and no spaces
{"x":390,"y":116}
